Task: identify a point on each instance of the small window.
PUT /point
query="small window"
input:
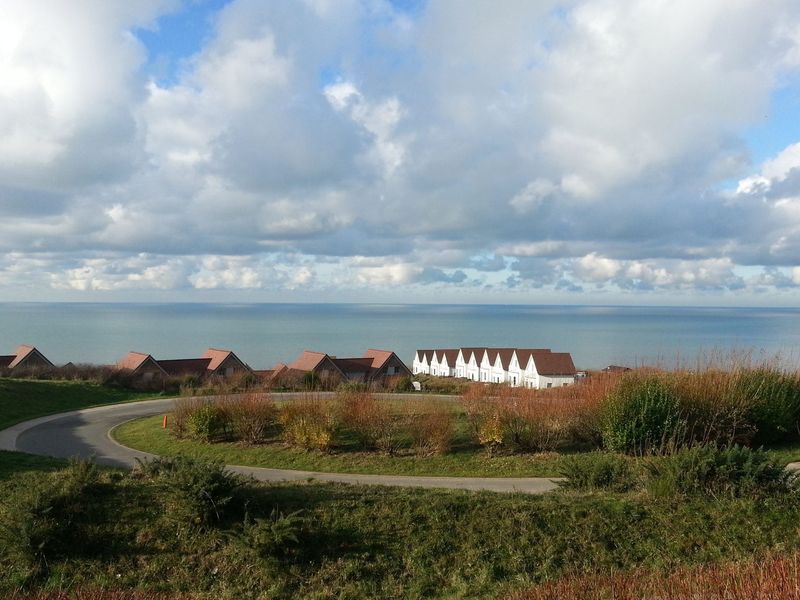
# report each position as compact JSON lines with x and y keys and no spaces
{"x":549,"y":385}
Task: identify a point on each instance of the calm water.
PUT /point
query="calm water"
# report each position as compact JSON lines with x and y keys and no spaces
{"x":263,"y":334}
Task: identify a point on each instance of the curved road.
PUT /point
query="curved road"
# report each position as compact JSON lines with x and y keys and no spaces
{"x":85,"y":433}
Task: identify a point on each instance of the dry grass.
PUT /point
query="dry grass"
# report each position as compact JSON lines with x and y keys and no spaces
{"x":776,"y":578}
{"x":252,"y":416}
{"x":432,"y":427}
{"x":101,"y":595}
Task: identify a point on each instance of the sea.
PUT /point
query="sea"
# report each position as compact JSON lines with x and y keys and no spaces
{"x":265,"y":334}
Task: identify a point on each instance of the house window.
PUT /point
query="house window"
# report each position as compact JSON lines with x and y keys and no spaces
{"x":549,"y":385}
{"x":390,"y":371}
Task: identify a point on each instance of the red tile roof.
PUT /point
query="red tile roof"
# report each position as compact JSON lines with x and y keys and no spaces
{"x":308,"y":361}
{"x":467,"y":352}
{"x":379,"y":357}
{"x":217,"y":357}
{"x":23,"y":352}
{"x":133,"y":360}
{"x":425,"y":355}
{"x":524,"y":355}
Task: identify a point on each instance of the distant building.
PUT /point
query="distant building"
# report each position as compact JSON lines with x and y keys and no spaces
{"x":533,"y":368}
{"x":25,"y":358}
{"x":213,"y":363}
{"x":373,"y":365}
{"x":616,"y":369}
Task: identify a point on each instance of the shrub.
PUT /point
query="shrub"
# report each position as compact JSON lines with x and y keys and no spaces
{"x":774,"y":401}
{"x":272,"y":535}
{"x":199,"y":492}
{"x":643,"y":415}
{"x":42,"y":523}
{"x":733,"y":471}
{"x":373,"y":422}
{"x":597,"y":471}
{"x":208,"y":422}
{"x":308,"y":423}
{"x":251,"y":416}
{"x":432,"y":428}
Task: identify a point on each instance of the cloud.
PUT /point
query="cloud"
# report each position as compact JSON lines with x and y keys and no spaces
{"x":319,"y":145}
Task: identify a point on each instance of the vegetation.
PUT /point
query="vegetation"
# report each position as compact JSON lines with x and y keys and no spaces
{"x":334,"y":541}
{"x":22,"y":399}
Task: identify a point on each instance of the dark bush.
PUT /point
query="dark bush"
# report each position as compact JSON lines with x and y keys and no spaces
{"x":597,"y":471}
{"x":274,"y":534}
{"x":199,"y":493}
{"x":732,"y":471}
{"x":774,"y":401}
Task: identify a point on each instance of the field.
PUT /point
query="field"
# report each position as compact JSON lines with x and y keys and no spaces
{"x":360,"y":542}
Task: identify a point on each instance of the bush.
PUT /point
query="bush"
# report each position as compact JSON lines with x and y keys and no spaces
{"x":774,"y":401}
{"x":43,"y":522}
{"x":272,"y":535}
{"x":733,"y":471}
{"x":373,"y":422}
{"x":251,"y":416}
{"x":597,"y":471}
{"x":208,"y":422}
{"x":643,"y":415}
{"x":199,"y":492}
{"x":432,"y":428}
{"x":308,"y":423}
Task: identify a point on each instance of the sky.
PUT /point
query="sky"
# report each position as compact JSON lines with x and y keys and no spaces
{"x":524,"y":151}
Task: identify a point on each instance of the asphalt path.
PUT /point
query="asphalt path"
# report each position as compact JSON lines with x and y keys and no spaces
{"x":86,"y":434}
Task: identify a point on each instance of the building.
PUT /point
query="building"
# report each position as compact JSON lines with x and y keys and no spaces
{"x":372,"y":366}
{"x":213,"y":363}
{"x":25,"y":358}
{"x":529,"y":367}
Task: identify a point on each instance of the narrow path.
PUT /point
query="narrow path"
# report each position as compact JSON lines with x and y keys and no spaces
{"x":85,"y":433}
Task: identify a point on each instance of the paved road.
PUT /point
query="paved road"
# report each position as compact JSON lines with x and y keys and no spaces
{"x":85,"y":433}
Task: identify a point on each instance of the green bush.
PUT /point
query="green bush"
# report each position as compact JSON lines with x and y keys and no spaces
{"x":42,"y":523}
{"x":733,"y":471}
{"x":274,"y":534}
{"x":642,"y":416}
{"x":199,"y":493}
{"x":597,"y":471}
{"x":774,"y":400}
{"x":208,"y":422}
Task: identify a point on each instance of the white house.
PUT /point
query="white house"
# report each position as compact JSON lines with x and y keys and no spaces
{"x":545,"y":369}
{"x":421,"y":362}
{"x":468,"y":363}
{"x":446,"y":362}
{"x":501,"y":364}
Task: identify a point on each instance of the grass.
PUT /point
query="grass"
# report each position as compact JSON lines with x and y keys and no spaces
{"x":468,"y":461}
{"x":23,"y":399}
{"x":364,"y":542}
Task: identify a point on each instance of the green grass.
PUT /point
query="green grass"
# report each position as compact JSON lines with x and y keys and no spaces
{"x":364,"y":542}
{"x":22,"y":399}
{"x":465,"y":461}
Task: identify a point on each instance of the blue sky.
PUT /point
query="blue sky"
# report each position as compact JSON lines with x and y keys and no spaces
{"x":590,"y":151}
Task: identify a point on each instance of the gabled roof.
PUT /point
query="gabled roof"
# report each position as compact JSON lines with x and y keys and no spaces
{"x":425,"y":355}
{"x":505,"y":355}
{"x":524,"y":355}
{"x":379,"y":357}
{"x":308,"y":360}
{"x":185,"y":366}
{"x":134,"y":360}
{"x":219,"y":356}
{"x":449,"y":354}
{"x":467,"y":352}
{"x":554,"y":363}
{"x":23,"y":352}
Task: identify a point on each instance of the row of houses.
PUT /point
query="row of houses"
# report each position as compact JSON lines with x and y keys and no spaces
{"x":528,"y":367}
{"x":373,"y":365}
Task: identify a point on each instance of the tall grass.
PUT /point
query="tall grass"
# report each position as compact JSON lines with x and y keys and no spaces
{"x":774,"y":578}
